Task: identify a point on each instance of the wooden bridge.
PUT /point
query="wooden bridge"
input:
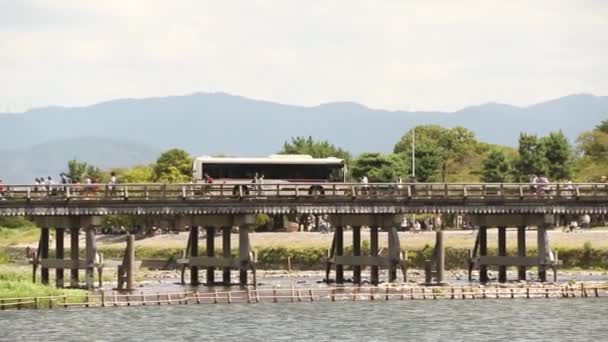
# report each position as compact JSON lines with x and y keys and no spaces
{"x":379,"y":206}
{"x":305,"y":198}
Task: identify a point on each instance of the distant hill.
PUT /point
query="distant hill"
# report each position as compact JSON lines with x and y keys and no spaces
{"x":219,"y":123}
{"x":22,"y":165}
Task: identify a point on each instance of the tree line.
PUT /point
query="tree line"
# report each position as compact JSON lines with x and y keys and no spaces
{"x":441,"y":155}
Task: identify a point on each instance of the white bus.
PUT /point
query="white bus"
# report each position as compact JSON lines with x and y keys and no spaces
{"x":276,"y":168}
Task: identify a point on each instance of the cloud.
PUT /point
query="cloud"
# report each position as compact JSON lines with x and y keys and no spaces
{"x":389,"y":54}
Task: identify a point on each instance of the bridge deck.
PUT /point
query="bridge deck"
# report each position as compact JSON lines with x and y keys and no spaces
{"x":347,"y":198}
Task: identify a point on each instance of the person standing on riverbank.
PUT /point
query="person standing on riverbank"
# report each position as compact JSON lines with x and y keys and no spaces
{"x":113,"y":182}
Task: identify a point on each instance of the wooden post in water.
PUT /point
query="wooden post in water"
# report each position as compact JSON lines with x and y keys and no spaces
{"x":130,"y":261}
{"x":440,"y":256}
{"x":226,"y":253}
{"x":243,"y":253}
{"x":521,"y":251}
{"x":90,"y":256}
{"x":339,"y":252}
{"x":44,"y":254}
{"x":393,"y":253}
{"x":74,"y":256}
{"x":210,"y":253}
{"x":542,"y":241}
{"x":373,"y":232}
{"x":357,"y":252}
{"x":483,"y":251}
{"x":502,"y":251}
{"x":194,"y":279}
{"x":59,"y":233}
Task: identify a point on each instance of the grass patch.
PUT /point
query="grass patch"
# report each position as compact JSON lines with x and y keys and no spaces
{"x":4,"y":258}
{"x":15,"y":236}
{"x":25,"y":289}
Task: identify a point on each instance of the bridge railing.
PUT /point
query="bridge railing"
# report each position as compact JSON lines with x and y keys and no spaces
{"x":189,"y":191}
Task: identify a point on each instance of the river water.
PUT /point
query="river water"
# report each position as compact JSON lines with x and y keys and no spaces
{"x":448,"y":320}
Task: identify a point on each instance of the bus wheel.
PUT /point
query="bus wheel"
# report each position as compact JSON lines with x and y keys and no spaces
{"x":316,"y":190}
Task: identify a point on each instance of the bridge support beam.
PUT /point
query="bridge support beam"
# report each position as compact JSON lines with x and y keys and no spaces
{"x":440,"y":252}
{"x":357,"y":261}
{"x":194,"y":280}
{"x":542,"y":248}
{"x":339,"y":233}
{"x":521,"y":251}
{"x":44,"y":254}
{"x":244,"y":258}
{"x":357,"y":252}
{"x":521,"y":261}
{"x":502,"y":251}
{"x":483,"y":251}
{"x":226,"y":253}
{"x":59,"y":252}
{"x":74,"y":232}
{"x":210,"y":237}
{"x":393,"y":253}
{"x":374,"y":250}
{"x":210,"y":261}
{"x":90,"y":251}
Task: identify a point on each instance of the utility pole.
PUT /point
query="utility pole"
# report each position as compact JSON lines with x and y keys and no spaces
{"x":413,"y":152}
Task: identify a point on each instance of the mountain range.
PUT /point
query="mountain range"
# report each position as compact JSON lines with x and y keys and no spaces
{"x":125,"y":132}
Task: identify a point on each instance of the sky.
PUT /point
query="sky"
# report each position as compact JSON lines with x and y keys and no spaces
{"x":406,"y":55}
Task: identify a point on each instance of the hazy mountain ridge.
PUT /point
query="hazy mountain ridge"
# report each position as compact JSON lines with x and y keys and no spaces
{"x":24,"y":164}
{"x":220,"y":123}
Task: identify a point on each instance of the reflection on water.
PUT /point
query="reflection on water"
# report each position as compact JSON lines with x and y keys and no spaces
{"x":471,"y":320}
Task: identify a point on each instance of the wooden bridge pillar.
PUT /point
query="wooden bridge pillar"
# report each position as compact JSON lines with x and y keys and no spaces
{"x":44,"y":254}
{"x":502,"y":251}
{"x":483,"y":251}
{"x":357,"y":252}
{"x":74,"y":281}
{"x":440,"y":250}
{"x":90,"y":257}
{"x":194,"y":280}
{"x":393,"y":253}
{"x":59,"y":251}
{"x":243,"y":254}
{"x":226,"y":253}
{"x":521,"y":261}
{"x":210,"y":253}
{"x":210,"y":261}
{"x":521,"y":251}
{"x":374,"y":249}
{"x":339,"y":233}
{"x":542,"y":252}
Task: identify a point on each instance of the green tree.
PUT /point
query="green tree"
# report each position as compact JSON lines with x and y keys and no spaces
{"x":95,"y":173}
{"x":428,"y":162}
{"x":317,"y":149}
{"x":532,"y":158}
{"x":593,"y":144}
{"x":173,"y":166}
{"x":137,"y":174}
{"x":379,"y":167}
{"x":592,"y":149}
{"x":496,"y":167}
{"x":77,"y":169}
{"x":602,"y":127}
{"x":449,"y":145}
{"x":559,"y":156}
